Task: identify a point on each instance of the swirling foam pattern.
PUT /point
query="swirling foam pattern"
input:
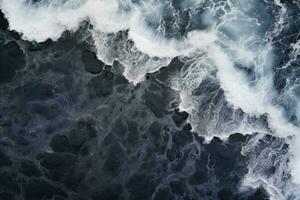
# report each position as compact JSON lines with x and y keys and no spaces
{"x":233,"y":63}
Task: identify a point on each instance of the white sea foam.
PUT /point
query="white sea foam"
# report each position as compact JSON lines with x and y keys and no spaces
{"x":122,"y":31}
{"x":45,"y":20}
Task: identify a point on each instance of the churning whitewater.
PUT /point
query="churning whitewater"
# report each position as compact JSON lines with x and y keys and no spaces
{"x":242,"y":54}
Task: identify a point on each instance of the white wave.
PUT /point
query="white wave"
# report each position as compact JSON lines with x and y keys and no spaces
{"x":122,"y":31}
{"x":49,"y":20}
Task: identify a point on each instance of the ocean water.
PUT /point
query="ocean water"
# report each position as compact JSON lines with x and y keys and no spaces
{"x":221,"y":66}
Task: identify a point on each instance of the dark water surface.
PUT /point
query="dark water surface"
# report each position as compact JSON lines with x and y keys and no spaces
{"x":140,"y":124}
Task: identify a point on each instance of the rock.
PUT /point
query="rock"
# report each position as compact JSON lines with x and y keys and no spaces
{"x":37,"y":189}
{"x":11,"y":60}
{"x":92,"y":64}
{"x":4,"y":160}
{"x":29,"y":169}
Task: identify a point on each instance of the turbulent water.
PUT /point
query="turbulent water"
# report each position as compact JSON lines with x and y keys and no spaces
{"x":232,"y":65}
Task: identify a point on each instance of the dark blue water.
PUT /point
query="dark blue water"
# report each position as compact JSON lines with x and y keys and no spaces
{"x":181,"y":99}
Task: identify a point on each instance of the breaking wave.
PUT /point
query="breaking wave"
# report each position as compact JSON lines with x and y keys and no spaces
{"x":237,"y":65}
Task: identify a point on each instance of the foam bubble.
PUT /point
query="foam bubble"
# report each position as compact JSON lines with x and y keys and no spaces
{"x":45,"y":20}
{"x":216,"y":43}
